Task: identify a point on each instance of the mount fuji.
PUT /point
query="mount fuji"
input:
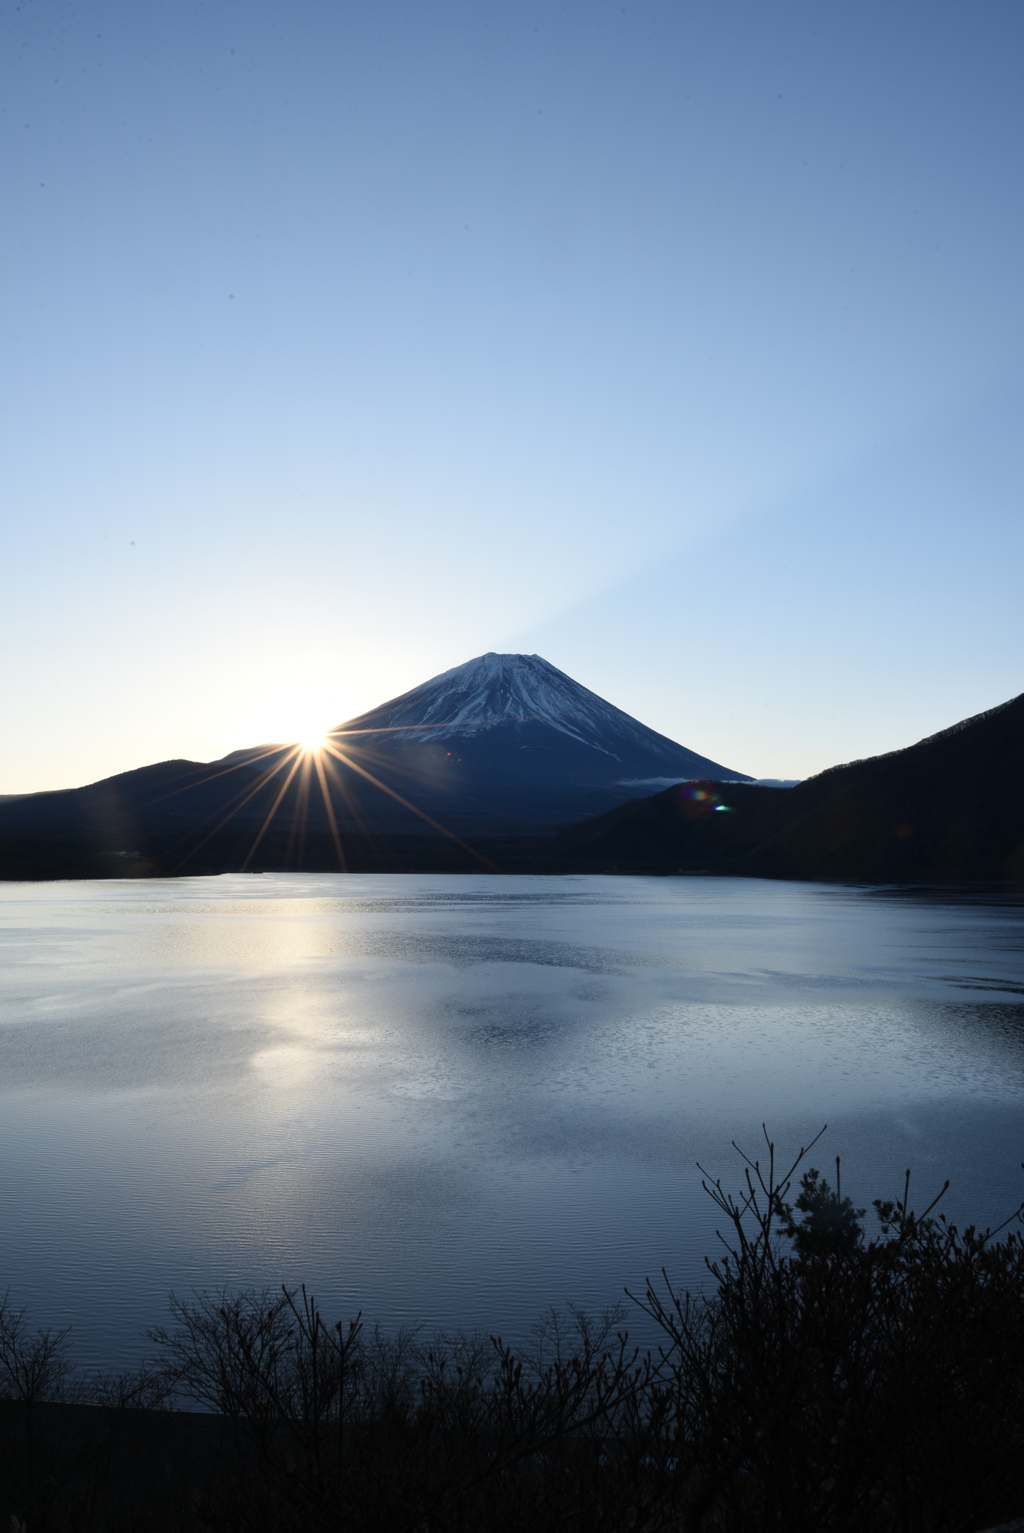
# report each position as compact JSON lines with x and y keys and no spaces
{"x":507,"y":743}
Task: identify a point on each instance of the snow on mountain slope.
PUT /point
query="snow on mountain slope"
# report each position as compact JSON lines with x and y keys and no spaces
{"x":526,"y":690}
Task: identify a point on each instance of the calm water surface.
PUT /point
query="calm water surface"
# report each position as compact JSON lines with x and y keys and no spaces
{"x":456,"y":1100}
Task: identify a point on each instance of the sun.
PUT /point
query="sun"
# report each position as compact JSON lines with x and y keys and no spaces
{"x":312,"y":744}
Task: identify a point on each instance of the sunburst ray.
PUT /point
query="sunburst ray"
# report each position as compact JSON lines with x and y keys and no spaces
{"x":200,"y":782}
{"x":407,"y":804}
{"x":241,"y":799}
{"x":273,"y":809}
{"x":329,"y":807}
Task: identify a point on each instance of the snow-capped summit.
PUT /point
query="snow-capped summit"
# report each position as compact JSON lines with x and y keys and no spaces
{"x":498,"y":689}
{"x":492,"y":689}
{"x":510,"y":740}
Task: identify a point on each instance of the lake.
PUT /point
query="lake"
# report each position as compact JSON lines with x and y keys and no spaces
{"x":456,"y":1100}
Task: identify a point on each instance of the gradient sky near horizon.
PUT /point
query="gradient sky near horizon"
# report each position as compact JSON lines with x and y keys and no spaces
{"x":681,"y":344}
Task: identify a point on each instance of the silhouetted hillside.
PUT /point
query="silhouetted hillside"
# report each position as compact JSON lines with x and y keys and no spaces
{"x":948,"y":809}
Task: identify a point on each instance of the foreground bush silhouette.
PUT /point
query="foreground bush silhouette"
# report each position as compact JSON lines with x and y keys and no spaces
{"x":339,"y":1429}
{"x":845,"y":1384}
{"x":827,"y":1382}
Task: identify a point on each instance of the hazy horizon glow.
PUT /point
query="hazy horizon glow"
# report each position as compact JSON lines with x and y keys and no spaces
{"x":679,"y":345}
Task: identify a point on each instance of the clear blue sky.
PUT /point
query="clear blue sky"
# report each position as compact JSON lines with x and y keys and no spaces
{"x":679,"y":343}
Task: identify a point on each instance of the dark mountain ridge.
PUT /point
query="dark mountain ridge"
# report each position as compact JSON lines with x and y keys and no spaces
{"x":948,"y":809}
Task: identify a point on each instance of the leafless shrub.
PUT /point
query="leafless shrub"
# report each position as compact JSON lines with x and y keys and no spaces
{"x":34,"y":1365}
{"x":844,"y":1384}
{"x":393,"y":1432}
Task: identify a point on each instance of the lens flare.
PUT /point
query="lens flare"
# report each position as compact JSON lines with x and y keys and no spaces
{"x":316,"y":761}
{"x":696,"y":802}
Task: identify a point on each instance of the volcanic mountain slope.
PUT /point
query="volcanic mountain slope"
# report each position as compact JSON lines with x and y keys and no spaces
{"x":508,"y":742}
{"x":503,"y":745}
{"x":948,"y":809}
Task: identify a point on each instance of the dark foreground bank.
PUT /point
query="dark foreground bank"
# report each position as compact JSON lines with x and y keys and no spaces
{"x":827,"y":1382}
